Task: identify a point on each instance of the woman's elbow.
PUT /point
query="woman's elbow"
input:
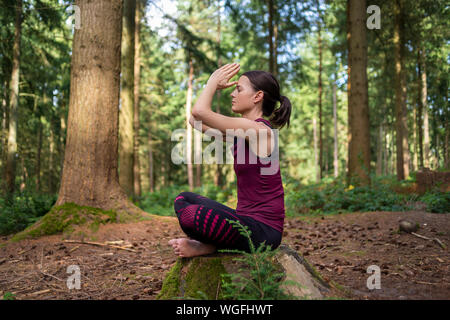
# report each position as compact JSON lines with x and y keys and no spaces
{"x":196,"y":114}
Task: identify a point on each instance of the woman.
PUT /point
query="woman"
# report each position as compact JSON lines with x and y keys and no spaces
{"x":260,"y":196}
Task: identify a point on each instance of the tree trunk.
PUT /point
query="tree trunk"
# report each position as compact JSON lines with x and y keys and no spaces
{"x":23,"y":185}
{"x":150,"y":160}
{"x":358,"y":108}
{"x":319,"y":40}
{"x":137,"y":78}
{"x":380,"y":150}
{"x":218,"y":171}
{"x":275,"y":49}
{"x":52,"y":169}
{"x":189,"y":127}
{"x":4,"y":141}
{"x":198,"y":157}
{"x":11,"y":161}
{"x":415,"y":159}
{"x":126,"y":131}
{"x":400,"y":96}
{"x":270,"y":38}
{"x":90,"y":175}
{"x":386,"y":151}
{"x":424,"y":106}
{"x":335,"y":153}
{"x":316,"y":160}
{"x":38,"y":156}
{"x":62,"y":136}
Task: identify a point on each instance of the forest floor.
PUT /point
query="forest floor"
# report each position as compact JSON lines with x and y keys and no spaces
{"x":341,"y":247}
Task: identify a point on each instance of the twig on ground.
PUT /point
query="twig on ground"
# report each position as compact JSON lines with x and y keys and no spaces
{"x":37,"y":293}
{"x":443,"y":246}
{"x":73,"y":249}
{"x":100,"y":244}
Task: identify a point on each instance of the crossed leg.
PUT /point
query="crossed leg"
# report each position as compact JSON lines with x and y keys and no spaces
{"x":204,"y":222}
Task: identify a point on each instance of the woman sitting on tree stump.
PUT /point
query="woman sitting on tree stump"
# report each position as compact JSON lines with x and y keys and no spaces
{"x":259,"y":186}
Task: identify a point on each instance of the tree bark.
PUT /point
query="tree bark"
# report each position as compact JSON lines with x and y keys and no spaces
{"x":379,"y":149}
{"x":90,"y":176}
{"x":137,"y":78}
{"x":11,"y":161}
{"x":316,"y":158}
{"x":38,"y":157}
{"x":400,"y":95}
{"x":358,"y":108}
{"x":415,"y":158}
{"x":319,"y":40}
{"x":52,"y":169}
{"x":270,"y":38}
{"x":218,"y":173}
{"x":151,"y":177}
{"x":335,"y":153}
{"x":126,"y":148}
{"x":4,"y":140}
{"x":62,"y":139}
{"x":424,"y":108}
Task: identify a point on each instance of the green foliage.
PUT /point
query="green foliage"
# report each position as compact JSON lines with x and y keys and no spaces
{"x":9,"y":296}
{"x":437,"y":202}
{"x":264,"y":282}
{"x":332,"y":196}
{"x":23,"y":209}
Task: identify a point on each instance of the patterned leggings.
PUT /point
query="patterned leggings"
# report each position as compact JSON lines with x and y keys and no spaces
{"x":204,"y":220}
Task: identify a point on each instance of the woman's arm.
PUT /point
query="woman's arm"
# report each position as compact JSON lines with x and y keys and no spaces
{"x":205,"y":128}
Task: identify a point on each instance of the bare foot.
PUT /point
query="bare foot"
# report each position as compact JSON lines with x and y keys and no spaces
{"x":185,"y":247}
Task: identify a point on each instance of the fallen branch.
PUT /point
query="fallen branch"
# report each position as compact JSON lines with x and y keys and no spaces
{"x":100,"y":244}
{"x":37,"y":293}
{"x":443,"y":246}
{"x":423,"y":282}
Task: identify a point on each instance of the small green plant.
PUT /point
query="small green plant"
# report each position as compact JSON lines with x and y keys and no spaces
{"x":437,"y":202}
{"x":9,"y":296}
{"x":264,"y":282}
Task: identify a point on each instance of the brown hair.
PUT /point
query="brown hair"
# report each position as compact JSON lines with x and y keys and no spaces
{"x":266,"y":82}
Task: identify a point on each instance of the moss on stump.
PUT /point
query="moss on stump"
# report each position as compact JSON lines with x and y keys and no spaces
{"x":201,"y":277}
{"x":67,"y":218}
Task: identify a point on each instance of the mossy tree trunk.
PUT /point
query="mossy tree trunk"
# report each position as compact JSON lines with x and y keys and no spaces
{"x":201,"y":277}
{"x":90,"y":176}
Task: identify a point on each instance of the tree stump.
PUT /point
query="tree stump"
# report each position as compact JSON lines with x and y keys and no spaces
{"x":428,"y":179}
{"x":190,"y":275}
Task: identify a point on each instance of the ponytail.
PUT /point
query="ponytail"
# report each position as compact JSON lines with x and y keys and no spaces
{"x":281,"y":115}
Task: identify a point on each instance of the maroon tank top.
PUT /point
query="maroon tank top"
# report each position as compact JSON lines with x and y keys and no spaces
{"x":260,"y":196}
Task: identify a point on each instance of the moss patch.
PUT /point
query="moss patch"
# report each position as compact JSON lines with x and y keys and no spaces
{"x":171,"y":284}
{"x":204,"y":275}
{"x":195,"y":278}
{"x":64,"y":219}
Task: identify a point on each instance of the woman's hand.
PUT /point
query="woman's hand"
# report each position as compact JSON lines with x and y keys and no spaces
{"x":219,"y":79}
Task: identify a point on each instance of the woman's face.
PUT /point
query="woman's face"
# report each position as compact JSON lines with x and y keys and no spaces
{"x":242,"y":97}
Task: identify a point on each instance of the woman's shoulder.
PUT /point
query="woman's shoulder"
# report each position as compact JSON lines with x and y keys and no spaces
{"x":267,"y":122}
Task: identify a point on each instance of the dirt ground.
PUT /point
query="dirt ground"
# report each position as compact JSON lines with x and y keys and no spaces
{"x":341,"y":247}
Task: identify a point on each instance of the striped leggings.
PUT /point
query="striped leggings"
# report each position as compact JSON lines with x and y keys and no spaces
{"x":204,"y":220}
